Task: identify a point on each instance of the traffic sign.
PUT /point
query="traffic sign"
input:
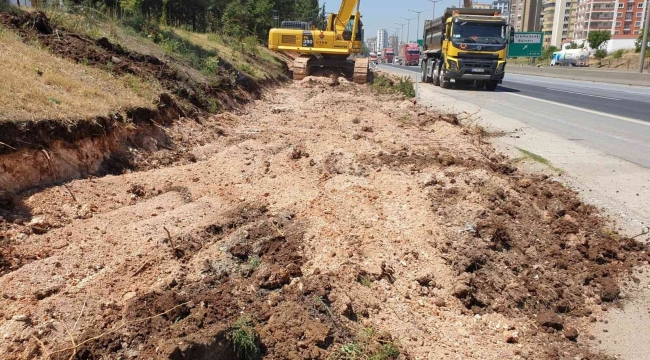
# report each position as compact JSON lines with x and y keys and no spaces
{"x":421,"y":42}
{"x":526,"y":44}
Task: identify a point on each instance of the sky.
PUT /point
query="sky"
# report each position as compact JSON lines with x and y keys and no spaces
{"x":383,"y":14}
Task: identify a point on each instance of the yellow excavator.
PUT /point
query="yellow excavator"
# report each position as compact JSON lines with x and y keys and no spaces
{"x":333,"y":48}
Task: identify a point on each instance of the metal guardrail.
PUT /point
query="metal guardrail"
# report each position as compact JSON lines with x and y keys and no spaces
{"x":607,"y":76}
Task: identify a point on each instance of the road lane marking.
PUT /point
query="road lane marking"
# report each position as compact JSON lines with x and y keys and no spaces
{"x":579,"y":93}
{"x":525,"y":79}
{"x":636,"y":121}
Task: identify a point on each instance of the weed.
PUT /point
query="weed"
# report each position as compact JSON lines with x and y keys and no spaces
{"x":384,"y":85}
{"x":213,"y":105}
{"x":351,"y":351}
{"x":618,"y":54}
{"x":365,"y":282}
{"x":56,"y":101}
{"x":250,"y":44}
{"x":539,"y":159}
{"x":386,"y":352}
{"x":319,"y":301}
{"x":405,"y":86}
{"x":247,"y":69}
{"x":243,"y":339}
{"x":210,"y":65}
{"x":254,"y":262}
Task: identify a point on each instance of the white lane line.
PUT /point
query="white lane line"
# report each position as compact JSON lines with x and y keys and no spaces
{"x":579,"y":93}
{"x":605,"y":86}
{"x":636,"y":121}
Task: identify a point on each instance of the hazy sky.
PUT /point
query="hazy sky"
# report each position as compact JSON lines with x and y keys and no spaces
{"x":383,"y":14}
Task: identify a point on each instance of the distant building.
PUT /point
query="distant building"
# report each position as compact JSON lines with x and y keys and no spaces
{"x":559,"y":22}
{"x":481,"y":6}
{"x":623,"y":19}
{"x":503,"y":6}
{"x":371,"y":43}
{"x":382,"y":40}
{"x":526,"y":15}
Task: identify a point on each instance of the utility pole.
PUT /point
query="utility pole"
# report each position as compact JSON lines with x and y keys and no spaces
{"x":417,"y":31}
{"x":408,"y":27}
{"x":433,"y":15}
{"x":402,"y":37}
{"x":644,"y":42}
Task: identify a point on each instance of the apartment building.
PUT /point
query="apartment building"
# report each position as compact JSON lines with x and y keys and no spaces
{"x":623,"y":18}
{"x":481,"y":6}
{"x":382,"y":40}
{"x":559,"y":21}
{"x":393,"y":42}
{"x":526,"y":15}
{"x":503,"y":6}
{"x":371,"y":43}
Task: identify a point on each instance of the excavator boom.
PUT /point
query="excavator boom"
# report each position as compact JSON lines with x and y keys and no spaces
{"x":348,"y":8}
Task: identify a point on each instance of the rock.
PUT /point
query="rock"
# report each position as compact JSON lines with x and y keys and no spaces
{"x":356,"y":120}
{"x":461,"y":290}
{"x":426,"y":280}
{"x":129,"y":295}
{"x":39,"y":225}
{"x":439,"y":302}
{"x":551,"y":320}
{"x":571,"y":333}
{"x":367,"y":129}
{"x":21,"y":318}
{"x":511,"y":337}
{"x":44,"y":293}
{"x":611,"y":290}
{"x":525,"y":182}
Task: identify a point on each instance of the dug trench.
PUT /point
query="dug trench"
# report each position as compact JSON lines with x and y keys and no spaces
{"x":385,"y":230}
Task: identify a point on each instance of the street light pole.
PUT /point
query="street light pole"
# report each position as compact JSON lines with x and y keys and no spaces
{"x":416,"y":29}
{"x":433,"y":17}
{"x":402,"y":37}
{"x":408,"y":28}
{"x":644,"y":43}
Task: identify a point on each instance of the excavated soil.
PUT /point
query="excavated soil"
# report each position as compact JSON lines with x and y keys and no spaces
{"x":335,"y":228}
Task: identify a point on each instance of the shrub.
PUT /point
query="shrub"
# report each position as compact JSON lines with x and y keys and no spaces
{"x":617,"y":54}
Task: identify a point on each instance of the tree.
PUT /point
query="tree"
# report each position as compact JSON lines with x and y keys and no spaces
{"x":600,"y":54}
{"x":596,"y":39}
{"x":572,"y":45}
{"x":548,"y":52}
{"x":638,"y":41}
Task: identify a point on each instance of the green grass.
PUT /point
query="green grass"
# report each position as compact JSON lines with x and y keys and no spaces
{"x":537,"y":158}
{"x":254,"y":262}
{"x":365,"y":282}
{"x":243,"y":339}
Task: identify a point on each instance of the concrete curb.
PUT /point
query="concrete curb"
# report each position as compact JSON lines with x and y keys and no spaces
{"x":607,"y":76}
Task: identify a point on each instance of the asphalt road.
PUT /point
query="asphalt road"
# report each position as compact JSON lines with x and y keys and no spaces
{"x":614,"y":119}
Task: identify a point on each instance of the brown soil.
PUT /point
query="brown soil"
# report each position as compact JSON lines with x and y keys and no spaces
{"x":330,"y":239}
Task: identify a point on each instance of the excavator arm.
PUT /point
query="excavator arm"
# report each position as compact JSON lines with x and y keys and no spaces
{"x":348,"y":8}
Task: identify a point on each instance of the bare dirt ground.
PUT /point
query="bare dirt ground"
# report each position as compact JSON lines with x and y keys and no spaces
{"x":336,"y":223}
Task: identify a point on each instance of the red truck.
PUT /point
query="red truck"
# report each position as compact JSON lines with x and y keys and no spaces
{"x":410,"y":53}
{"x":387,"y":55}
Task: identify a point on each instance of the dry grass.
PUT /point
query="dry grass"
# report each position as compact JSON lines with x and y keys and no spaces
{"x":38,"y":85}
{"x":230,"y":50}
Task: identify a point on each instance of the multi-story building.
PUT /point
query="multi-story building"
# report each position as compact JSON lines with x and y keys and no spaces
{"x":371,"y":43}
{"x":503,"y":6}
{"x":526,"y":15}
{"x":559,"y":22}
{"x":623,"y":18}
{"x":382,"y":40}
{"x":596,"y":15}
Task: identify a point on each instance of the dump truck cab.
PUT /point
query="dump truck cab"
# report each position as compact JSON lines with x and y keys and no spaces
{"x":466,"y":46}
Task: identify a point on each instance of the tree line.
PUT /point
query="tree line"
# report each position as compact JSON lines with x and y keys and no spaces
{"x":232,"y":17}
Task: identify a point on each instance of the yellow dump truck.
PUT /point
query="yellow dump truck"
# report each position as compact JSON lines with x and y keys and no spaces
{"x":466,"y":46}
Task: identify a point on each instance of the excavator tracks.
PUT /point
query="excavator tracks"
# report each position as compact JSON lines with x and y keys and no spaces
{"x":301,"y":67}
{"x":361,"y":70}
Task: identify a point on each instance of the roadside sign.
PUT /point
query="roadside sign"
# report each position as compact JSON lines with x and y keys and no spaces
{"x":526,"y":44}
{"x":421,"y":42}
